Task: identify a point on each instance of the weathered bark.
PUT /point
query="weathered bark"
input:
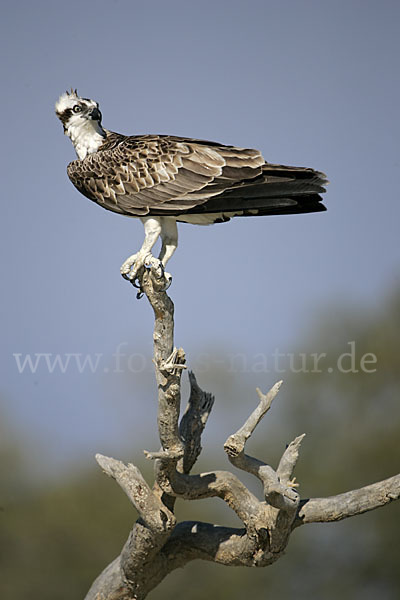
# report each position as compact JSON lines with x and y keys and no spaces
{"x":158,"y":544}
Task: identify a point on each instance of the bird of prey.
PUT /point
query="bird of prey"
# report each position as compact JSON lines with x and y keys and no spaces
{"x":165,"y":179}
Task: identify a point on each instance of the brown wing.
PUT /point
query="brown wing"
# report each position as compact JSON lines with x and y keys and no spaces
{"x":278,"y":190}
{"x":156,"y":175}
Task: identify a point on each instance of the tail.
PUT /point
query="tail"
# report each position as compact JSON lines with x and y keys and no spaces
{"x":278,"y":190}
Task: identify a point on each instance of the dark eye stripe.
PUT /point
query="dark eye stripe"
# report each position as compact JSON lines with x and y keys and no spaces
{"x":65,"y":116}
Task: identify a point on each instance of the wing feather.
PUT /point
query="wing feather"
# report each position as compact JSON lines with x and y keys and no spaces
{"x":145,"y":175}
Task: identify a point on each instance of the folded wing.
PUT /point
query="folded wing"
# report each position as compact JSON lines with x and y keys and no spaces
{"x":171,"y":176}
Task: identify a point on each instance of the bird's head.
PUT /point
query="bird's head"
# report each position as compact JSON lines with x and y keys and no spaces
{"x":73,"y":110}
{"x":81,"y":119}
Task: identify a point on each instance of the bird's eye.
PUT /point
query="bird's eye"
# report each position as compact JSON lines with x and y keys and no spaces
{"x":77,"y":108}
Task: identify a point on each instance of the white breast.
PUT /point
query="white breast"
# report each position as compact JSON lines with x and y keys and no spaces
{"x":86,"y":136}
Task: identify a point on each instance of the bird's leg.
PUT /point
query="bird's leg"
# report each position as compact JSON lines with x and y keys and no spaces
{"x":169,"y":237}
{"x":152,"y":229}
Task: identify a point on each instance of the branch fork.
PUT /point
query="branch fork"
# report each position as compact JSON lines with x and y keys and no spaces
{"x":157,"y":544}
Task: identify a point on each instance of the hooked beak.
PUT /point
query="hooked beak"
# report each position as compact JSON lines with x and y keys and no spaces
{"x":95,"y":114}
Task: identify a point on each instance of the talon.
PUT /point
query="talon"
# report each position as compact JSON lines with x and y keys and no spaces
{"x":131,"y":267}
{"x":148,"y":261}
{"x":126,"y":267}
{"x":157,"y":268}
{"x":168,"y":278}
{"x":136,"y":284}
{"x":156,"y":265}
{"x":140,"y":293}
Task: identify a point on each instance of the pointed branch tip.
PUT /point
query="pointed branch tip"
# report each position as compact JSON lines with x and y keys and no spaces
{"x":274,"y":390}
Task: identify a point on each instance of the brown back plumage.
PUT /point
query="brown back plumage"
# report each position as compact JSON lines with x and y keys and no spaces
{"x":166,"y":175}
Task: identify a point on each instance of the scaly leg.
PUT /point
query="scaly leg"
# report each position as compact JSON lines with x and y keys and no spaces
{"x":169,"y":237}
{"x":152,"y":229}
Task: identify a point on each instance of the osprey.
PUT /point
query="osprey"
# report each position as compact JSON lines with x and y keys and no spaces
{"x":163,"y":179}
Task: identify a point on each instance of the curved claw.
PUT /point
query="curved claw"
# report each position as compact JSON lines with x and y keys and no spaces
{"x":168,"y":279}
{"x":127,"y":265}
{"x":136,"y":285}
{"x":157,"y":267}
{"x":133,"y":264}
{"x":140,"y":293}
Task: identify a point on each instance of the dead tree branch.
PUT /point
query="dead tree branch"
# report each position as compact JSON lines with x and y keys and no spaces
{"x":158,"y":544}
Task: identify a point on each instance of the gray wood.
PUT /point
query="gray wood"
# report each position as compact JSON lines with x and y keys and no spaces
{"x":157,"y":544}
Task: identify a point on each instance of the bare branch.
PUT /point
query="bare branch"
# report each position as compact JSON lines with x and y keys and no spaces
{"x":191,"y":427}
{"x":168,"y":362}
{"x":153,"y":513}
{"x":235,"y":444}
{"x":277,"y":493}
{"x":288,"y":461}
{"x":148,"y":535}
{"x":349,"y":504}
{"x":156,"y":545}
{"x":109,"y":585}
{"x":225,"y":545}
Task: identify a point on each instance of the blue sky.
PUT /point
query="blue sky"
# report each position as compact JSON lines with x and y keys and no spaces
{"x":311,"y":83}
